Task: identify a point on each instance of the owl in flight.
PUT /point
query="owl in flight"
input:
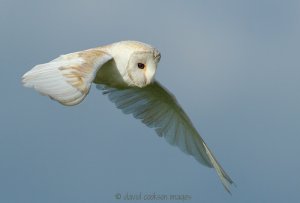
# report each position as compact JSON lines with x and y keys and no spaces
{"x":125,"y":72}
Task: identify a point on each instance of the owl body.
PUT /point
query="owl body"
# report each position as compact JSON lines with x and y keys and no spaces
{"x":126,"y":70}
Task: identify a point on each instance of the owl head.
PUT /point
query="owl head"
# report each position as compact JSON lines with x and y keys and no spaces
{"x":136,"y":61}
{"x":142,"y":66}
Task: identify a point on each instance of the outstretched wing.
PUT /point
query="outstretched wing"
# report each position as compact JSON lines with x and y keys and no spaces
{"x":158,"y":108}
{"x":67,"y":78}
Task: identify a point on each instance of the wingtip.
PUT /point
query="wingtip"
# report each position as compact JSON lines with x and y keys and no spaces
{"x":224,"y":177}
{"x":25,"y":80}
{"x":227,"y":185}
{"x":28,"y":77}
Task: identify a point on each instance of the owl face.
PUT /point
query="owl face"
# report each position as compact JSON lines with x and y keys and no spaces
{"x":142,"y":66}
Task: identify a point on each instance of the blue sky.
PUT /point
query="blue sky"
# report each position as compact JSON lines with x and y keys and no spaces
{"x":233,"y":66}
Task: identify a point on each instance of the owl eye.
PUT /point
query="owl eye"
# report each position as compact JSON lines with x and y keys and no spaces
{"x":141,"y":65}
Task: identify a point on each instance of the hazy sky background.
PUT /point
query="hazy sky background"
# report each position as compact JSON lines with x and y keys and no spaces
{"x":233,"y":66}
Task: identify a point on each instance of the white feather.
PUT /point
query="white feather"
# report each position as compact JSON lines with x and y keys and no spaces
{"x":67,"y":78}
{"x":156,"y":107}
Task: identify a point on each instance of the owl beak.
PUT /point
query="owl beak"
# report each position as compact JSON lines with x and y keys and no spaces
{"x":150,"y":72}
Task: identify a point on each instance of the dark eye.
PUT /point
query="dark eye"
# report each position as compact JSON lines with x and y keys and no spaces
{"x":141,"y":65}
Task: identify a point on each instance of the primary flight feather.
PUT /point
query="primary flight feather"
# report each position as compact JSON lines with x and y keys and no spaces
{"x":125,"y":72}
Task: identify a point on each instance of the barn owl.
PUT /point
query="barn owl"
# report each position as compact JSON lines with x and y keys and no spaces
{"x":125,"y":72}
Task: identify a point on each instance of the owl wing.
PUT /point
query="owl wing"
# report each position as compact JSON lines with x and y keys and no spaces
{"x":67,"y":78}
{"x":156,"y":107}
